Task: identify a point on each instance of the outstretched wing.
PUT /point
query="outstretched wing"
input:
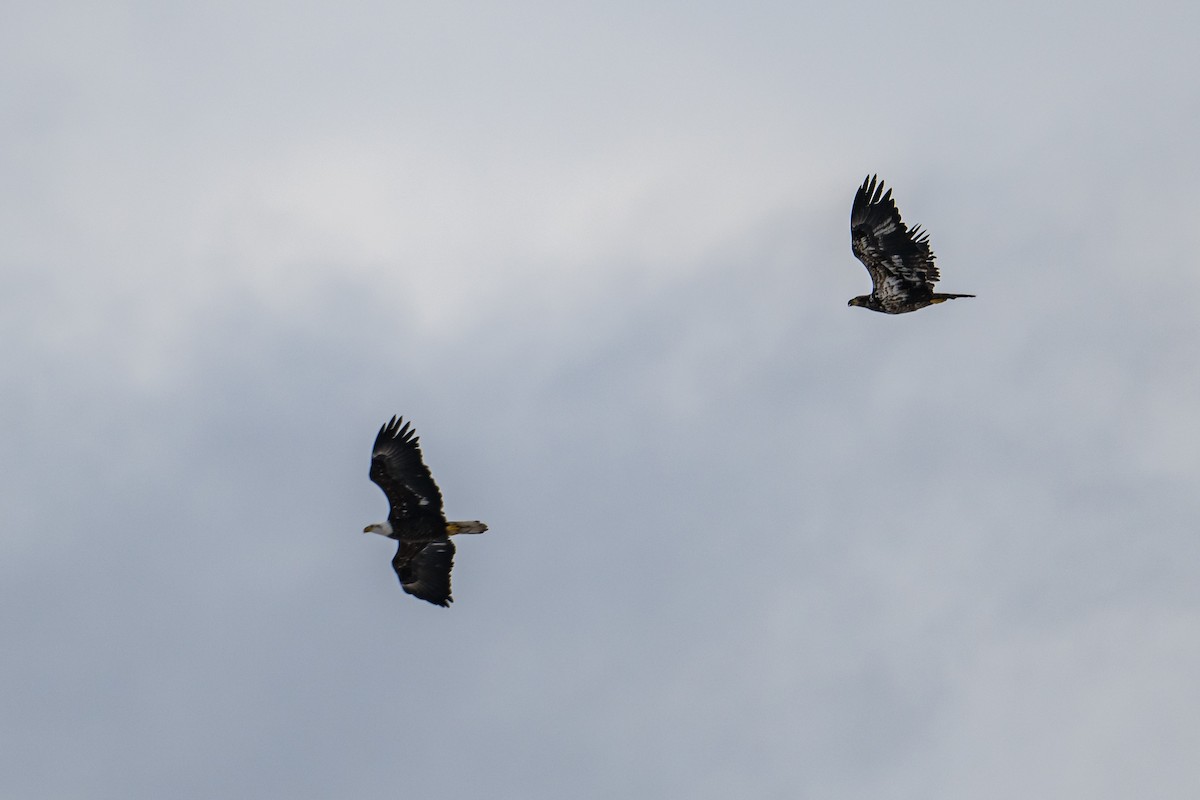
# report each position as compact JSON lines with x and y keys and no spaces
{"x":397,"y":468}
{"x":424,"y":570}
{"x":898,"y":259}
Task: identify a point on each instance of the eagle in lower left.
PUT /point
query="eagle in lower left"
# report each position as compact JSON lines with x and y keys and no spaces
{"x":426,"y":555}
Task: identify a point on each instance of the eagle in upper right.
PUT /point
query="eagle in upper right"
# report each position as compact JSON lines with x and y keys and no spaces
{"x":899,"y":260}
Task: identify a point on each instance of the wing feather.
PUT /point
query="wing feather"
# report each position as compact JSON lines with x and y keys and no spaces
{"x":424,"y":570}
{"x":898,"y":259}
{"x":398,"y":469}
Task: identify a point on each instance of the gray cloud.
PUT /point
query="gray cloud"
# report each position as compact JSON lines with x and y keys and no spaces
{"x":744,"y":540}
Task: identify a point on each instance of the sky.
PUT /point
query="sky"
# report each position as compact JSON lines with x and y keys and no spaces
{"x":745,"y":541}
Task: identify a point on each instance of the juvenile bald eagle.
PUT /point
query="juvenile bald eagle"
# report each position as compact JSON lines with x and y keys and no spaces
{"x":899,"y":260}
{"x":426,"y":554}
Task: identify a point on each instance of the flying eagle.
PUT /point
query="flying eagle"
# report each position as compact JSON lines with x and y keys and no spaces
{"x":426,"y":554}
{"x":900,"y":260}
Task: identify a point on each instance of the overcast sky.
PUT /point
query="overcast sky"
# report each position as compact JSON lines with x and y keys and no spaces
{"x":745,"y":541}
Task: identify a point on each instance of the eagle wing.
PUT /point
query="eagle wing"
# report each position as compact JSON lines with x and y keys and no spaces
{"x":398,"y":469}
{"x":424,"y":570}
{"x":898,"y":259}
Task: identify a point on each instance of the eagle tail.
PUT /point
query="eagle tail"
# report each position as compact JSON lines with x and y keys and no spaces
{"x":941,"y":298}
{"x":470,"y":526}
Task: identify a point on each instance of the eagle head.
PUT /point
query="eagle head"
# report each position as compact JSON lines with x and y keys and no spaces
{"x":863,"y":300}
{"x":382,"y":528}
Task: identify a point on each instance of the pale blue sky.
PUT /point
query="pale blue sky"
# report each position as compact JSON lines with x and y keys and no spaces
{"x":746,"y":541}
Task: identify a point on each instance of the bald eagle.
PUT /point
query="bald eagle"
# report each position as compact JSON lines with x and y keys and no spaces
{"x":426,"y":555}
{"x":899,"y":260}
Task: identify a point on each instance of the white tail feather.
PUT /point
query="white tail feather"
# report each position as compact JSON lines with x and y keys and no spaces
{"x":470,"y":526}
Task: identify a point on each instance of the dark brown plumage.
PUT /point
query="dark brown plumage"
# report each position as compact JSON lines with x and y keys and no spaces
{"x":899,"y":260}
{"x":425,"y":555}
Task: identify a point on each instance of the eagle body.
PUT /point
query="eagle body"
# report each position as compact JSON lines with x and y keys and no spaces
{"x":899,"y":260}
{"x":425,"y":555}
